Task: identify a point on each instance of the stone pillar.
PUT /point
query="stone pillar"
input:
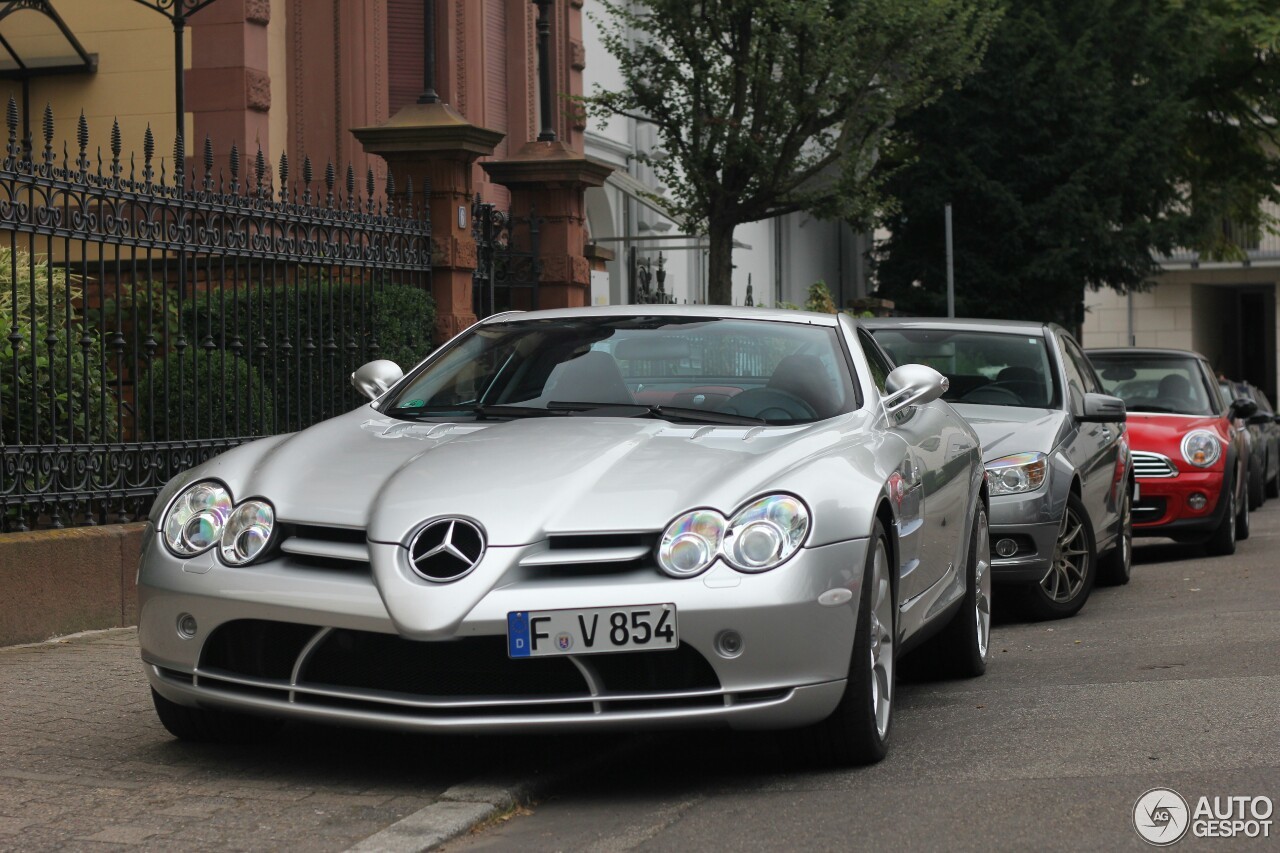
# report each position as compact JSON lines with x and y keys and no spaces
{"x":552,"y":179}
{"x":228,"y":85}
{"x":433,"y":144}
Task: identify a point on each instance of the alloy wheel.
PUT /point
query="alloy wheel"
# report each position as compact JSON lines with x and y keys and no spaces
{"x":1070,"y":566}
{"x":982,"y":585}
{"x":882,"y":651}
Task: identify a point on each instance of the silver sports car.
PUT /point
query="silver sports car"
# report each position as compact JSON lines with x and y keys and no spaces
{"x":606,"y":517}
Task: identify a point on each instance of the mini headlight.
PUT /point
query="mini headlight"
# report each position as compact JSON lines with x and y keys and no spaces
{"x":247,"y":532}
{"x":196,"y":518}
{"x":1201,"y":448}
{"x":691,"y":542}
{"x":765,"y":533}
{"x":1021,"y":472}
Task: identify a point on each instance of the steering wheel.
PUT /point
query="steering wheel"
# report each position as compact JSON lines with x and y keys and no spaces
{"x":996,"y":393}
{"x":768,"y":403}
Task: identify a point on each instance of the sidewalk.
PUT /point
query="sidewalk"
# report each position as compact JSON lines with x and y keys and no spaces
{"x":85,"y":765}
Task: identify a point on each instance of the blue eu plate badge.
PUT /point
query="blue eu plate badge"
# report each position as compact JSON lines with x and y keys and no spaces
{"x":518,"y":634}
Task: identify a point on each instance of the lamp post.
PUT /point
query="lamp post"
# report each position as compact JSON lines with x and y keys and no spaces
{"x":429,"y":95}
{"x":548,"y":133}
{"x":177,"y":11}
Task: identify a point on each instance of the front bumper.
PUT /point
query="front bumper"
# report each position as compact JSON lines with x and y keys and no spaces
{"x":1162,"y":508}
{"x":791,"y":670}
{"x":1032,"y":522}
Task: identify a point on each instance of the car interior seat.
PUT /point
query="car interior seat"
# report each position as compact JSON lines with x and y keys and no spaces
{"x":593,"y":377}
{"x":805,"y":378}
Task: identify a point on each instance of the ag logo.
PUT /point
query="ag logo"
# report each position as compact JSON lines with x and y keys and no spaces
{"x":1161,"y":816}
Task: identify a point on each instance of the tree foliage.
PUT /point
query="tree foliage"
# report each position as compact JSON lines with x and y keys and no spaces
{"x":765,"y":107}
{"x":1098,"y":134}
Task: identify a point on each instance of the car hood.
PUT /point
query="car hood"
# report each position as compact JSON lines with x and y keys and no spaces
{"x":521,"y":479}
{"x":1163,"y":433}
{"x":1005,"y":430}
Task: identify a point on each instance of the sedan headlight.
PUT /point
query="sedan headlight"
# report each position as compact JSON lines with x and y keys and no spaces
{"x":203,"y":515}
{"x":196,"y":518}
{"x":1201,"y":448}
{"x":762,"y":535}
{"x":1016,"y":474}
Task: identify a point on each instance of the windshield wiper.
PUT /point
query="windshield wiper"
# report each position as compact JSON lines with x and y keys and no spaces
{"x":669,"y":413}
{"x":481,"y":412}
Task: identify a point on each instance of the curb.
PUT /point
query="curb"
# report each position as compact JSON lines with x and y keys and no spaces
{"x":469,"y":804}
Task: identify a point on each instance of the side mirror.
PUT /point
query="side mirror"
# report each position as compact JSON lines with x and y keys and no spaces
{"x":1103,"y":408}
{"x":911,"y":385}
{"x":1243,"y":407}
{"x":1278,"y":419}
{"x":1260,"y":419}
{"x":374,"y":378}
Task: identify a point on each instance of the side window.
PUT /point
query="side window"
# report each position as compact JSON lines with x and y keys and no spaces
{"x":1090,"y":379}
{"x":880,"y":366}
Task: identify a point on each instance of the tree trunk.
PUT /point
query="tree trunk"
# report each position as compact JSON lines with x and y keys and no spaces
{"x":720,"y":263}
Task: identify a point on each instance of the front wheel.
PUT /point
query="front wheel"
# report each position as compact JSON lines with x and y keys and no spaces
{"x":211,"y":725}
{"x":1242,"y":521}
{"x":963,"y":647}
{"x":1115,"y":568}
{"x":1067,"y":583}
{"x":857,"y":732}
{"x":1223,"y":541}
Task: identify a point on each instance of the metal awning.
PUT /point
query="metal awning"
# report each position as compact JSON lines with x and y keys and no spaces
{"x":36,"y":42}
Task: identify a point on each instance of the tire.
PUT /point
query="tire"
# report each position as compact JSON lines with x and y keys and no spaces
{"x":964,"y":646}
{"x":857,"y":732}
{"x":1115,"y":568}
{"x":1223,"y":541}
{"x":1242,"y":521}
{"x":1273,"y":485}
{"x":212,"y":725}
{"x":1257,"y":491}
{"x":1075,"y":565}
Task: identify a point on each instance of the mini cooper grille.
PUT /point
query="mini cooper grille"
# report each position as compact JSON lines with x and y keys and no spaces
{"x":453,"y":678}
{"x":1147,"y":464}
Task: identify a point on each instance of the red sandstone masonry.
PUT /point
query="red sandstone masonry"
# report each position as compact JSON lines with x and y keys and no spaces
{"x":55,"y":582}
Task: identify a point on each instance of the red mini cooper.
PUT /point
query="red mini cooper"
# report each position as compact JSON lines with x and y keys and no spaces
{"x":1189,"y":462}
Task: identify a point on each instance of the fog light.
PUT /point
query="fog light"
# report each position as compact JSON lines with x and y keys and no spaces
{"x":1006,"y":548}
{"x":186,"y":626}
{"x":728,"y":644}
{"x":1197,"y":501}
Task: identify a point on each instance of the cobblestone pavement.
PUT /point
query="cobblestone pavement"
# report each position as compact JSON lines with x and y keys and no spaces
{"x":85,"y":765}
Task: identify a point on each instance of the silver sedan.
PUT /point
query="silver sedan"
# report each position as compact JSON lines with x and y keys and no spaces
{"x":614,"y":517}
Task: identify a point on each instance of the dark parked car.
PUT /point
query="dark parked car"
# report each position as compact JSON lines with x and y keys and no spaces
{"x":1264,"y":441}
{"x":1054,"y":446}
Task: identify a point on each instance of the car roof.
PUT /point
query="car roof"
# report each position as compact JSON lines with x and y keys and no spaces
{"x":727,"y":312}
{"x":1157,"y":351}
{"x":968,"y":324}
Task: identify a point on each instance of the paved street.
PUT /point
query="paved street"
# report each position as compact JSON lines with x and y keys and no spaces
{"x":1171,"y":681}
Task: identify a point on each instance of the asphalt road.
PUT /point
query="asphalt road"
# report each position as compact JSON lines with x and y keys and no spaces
{"x":1172,"y":681}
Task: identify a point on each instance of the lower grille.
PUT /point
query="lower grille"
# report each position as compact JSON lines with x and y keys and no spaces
{"x":1148,"y":510}
{"x":347,"y":669}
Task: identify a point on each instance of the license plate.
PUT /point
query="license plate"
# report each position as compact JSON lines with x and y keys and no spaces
{"x":539,"y":633}
{"x":1137,"y":491}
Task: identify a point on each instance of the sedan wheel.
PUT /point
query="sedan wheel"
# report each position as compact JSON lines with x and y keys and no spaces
{"x":857,"y":732}
{"x":1116,"y":566}
{"x":1066,"y":585}
{"x":961,"y":649}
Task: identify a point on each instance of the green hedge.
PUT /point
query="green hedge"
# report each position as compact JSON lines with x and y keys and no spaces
{"x":189,"y":396}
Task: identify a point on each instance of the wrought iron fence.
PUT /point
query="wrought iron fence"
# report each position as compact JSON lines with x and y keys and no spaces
{"x":508,"y":266}
{"x":649,"y":280}
{"x":151,"y":318}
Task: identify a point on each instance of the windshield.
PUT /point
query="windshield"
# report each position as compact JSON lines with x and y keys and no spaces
{"x":1173,"y":384}
{"x":992,"y":368}
{"x":688,"y":368}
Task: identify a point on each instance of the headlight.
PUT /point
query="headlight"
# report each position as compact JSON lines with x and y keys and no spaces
{"x":691,"y":542}
{"x":247,"y":532}
{"x":1013,"y":475}
{"x":765,"y":533}
{"x":1201,"y":448}
{"x":762,"y":535}
{"x":196,"y":518}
